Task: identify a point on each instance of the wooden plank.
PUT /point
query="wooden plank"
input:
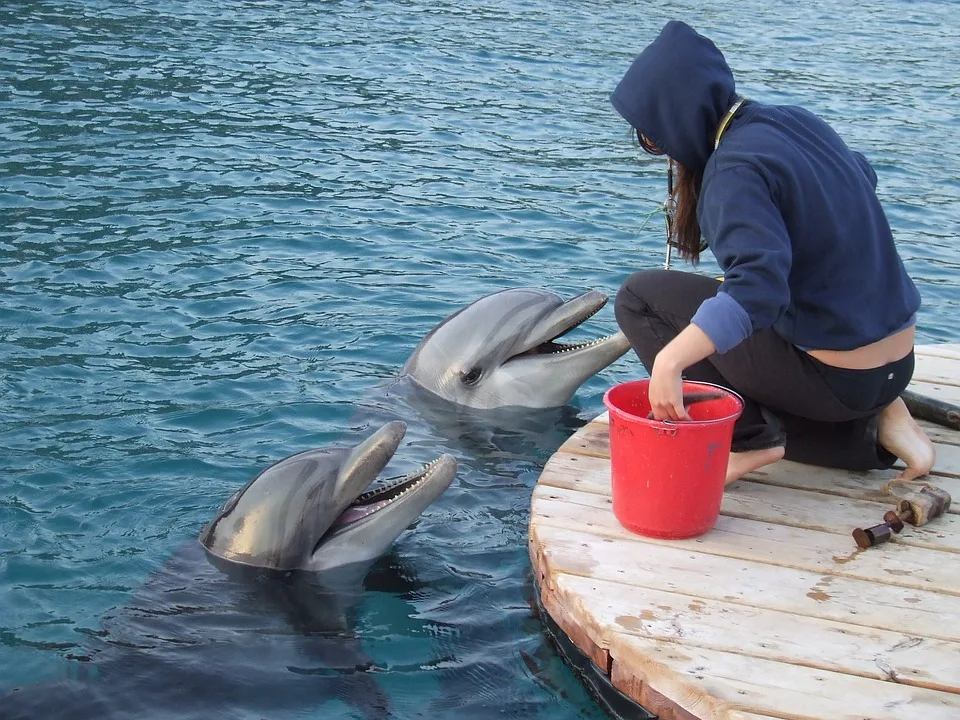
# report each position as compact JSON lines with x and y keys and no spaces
{"x":941,"y":435}
{"x":939,"y":363}
{"x":936,"y":390}
{"x":773,"y":504}
{"x":833,"y":514}
{"x":684,"y":570}
{"x":893,"y":564}
{"x":633,"y":678}
{"x":568,"y":624}
{"x":660,"y":705}
{"x":774,"y":613}
{"x":947,"y":464}
{"x":710,"y":684}
{"x":771,"y":635}
{"x":572,"y":628}
{"x":594,"y":440}
{"x":934,"y":369}
{"x":843,"y":483}
{"x":944,"y":350}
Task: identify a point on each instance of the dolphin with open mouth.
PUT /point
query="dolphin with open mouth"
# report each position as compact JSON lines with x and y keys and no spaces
{"x":316,"y":510}
{"x":505,"y":350}
{"x":257,"y":617}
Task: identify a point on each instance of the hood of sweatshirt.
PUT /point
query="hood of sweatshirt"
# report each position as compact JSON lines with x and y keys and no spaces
{"x":676,"y":92}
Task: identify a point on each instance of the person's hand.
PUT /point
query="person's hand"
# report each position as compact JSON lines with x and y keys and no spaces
{"x":666,"y":377}
{"x":666,"y":391}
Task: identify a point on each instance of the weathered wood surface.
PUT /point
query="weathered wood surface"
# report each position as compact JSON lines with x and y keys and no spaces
{"x":774,"y":613}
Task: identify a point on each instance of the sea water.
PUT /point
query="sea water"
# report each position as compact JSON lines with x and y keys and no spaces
{"x":224,"y":226}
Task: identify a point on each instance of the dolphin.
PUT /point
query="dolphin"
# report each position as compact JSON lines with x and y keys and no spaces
{"x":503,"y":350}
{"x":257,"y":617}
{"x":313,"y":511}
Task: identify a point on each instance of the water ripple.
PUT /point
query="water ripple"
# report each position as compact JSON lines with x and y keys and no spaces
{"x":225,"y":226}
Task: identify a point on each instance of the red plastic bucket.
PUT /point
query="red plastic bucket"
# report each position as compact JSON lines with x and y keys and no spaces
{"x":668,"y":477}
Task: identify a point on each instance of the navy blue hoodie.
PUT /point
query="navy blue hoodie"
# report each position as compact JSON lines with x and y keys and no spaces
{"x":789,"y":211}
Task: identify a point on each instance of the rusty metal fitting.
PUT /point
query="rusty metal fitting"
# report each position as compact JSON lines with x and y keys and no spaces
{"x":923,"y":505}
{"x":876,"y":535}
{"x":894,"y":520}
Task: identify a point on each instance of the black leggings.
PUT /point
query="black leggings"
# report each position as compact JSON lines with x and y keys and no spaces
{"x":823,"y":415}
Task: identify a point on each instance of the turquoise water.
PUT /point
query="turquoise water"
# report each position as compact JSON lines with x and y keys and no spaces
{"x":223,"y":227}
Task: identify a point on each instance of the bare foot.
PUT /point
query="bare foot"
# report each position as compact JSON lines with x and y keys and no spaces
{"x":740,"y":463}
{"x":900,"y":435}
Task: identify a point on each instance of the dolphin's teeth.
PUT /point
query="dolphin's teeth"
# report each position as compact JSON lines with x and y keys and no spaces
{"x":556,"y":348}
{"x":579,"y":346}
{"x":398,"y":487}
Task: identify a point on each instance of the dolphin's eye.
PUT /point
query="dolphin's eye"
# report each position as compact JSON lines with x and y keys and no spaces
{"x":471,"y":376}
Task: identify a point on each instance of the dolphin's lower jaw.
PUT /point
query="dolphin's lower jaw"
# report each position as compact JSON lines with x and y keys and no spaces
{"x":549,"y":375}
{"x":376,"y":518}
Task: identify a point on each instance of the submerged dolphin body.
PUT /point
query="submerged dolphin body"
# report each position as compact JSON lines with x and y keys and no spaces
{"x":313,"y":511}
{"x":202,"y":639}
{"x":244,"y":620}
{"x":504,"y":350}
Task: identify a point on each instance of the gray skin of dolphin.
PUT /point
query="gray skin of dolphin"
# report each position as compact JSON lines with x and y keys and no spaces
{"x":503,"y":351}
{"x":313,"y":511}
{"x":242,"y":621}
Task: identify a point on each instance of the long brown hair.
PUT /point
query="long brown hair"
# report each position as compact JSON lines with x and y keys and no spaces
{"x":683,"y":187}
{"x":685,"y":229}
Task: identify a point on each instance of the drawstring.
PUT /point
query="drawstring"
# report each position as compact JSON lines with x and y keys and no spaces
{"x":726,"y":120}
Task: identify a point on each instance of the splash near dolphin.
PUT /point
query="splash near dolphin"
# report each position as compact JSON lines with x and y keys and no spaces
{"x":505,"y":350}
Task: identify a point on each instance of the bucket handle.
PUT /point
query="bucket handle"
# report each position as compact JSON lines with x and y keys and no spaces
{"x":668,"y":429}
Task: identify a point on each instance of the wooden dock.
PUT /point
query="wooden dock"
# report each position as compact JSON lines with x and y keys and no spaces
{"x":775,"y":613}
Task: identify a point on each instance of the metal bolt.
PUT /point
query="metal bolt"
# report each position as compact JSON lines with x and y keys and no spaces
{"x":876,"y":535}
{"x":894,"y":521}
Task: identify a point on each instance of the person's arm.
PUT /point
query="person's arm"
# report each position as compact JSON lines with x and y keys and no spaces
{"x":666,"y":384}
{"x":742,"y":222}
{"x":749,"y":239}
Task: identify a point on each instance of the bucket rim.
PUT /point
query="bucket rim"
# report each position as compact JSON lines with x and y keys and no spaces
{"x":624,"y":415}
